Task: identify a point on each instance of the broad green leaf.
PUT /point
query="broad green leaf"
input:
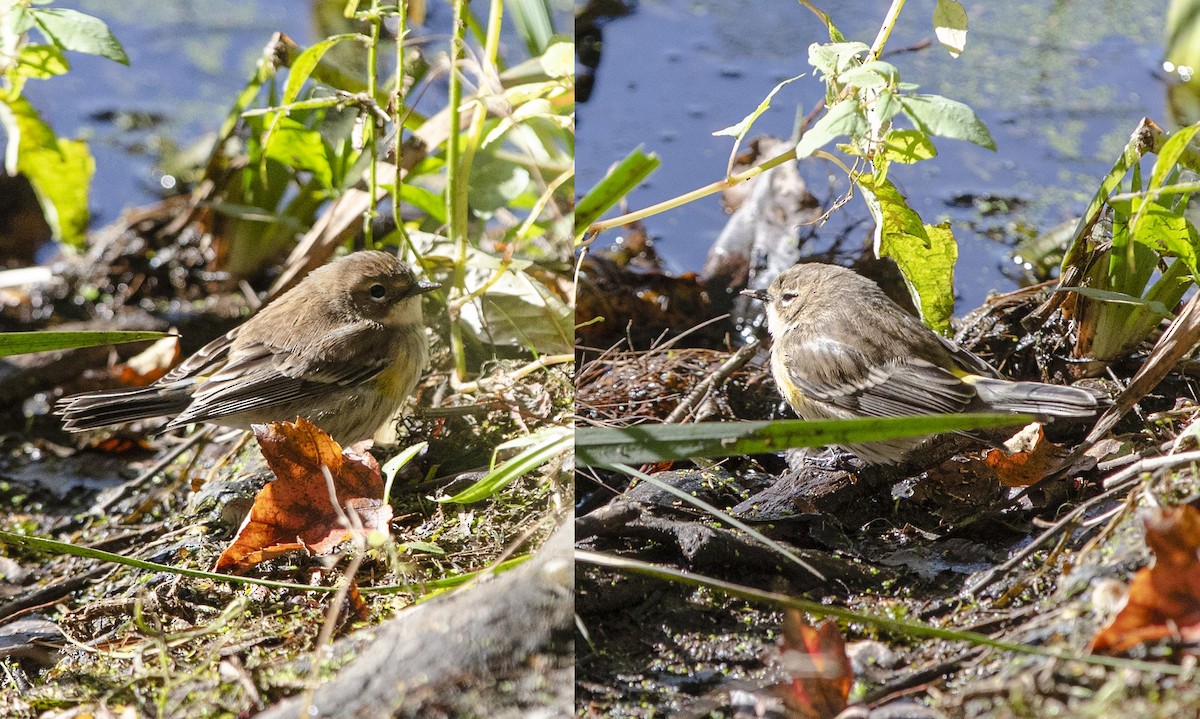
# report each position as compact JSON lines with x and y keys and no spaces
{"x":941,"y":116}
{"x":620,"y":181}
{"x":1169,"y":155}
{"x":908,"y":146}
{"x":740,"y":129}
{"x":495,"y":182}
{"x":844,"y":118}
{"x":834,"y":58}
{"x":294,"y":145}
{"x":882,"y":110}
{"x":73,"y":30}
{"x":518,"y":311}
{"x":950,"y":26}
{"x":924,"y":253}
{"x":1164,"y":229}
{"x":417,"y":546}
{"x":431,"y":204}
{"x":559,"y":60}
{"x":60,"y":171}
{"x":648,"y":443}
{"x":15,"y":343}
{"x":873,"y":74}
{"x":42,"y":61}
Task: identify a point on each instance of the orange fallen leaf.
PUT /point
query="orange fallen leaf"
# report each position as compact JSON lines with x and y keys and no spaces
{"x":1029,"y":458}
{"x":294,"y":510}
{"x":819,"y":671}
{"x":148,"y":365}
{"x":1164,"y":598}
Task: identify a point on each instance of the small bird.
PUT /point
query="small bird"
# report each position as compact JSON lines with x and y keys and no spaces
{"x":843,"y":349}
{"x":343,"y":349}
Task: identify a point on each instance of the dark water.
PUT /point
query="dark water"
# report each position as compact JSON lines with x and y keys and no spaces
{"x":1061,"y":85}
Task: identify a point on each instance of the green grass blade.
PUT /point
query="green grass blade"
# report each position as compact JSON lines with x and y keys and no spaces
{"x":620,"y":181}
{"x":16,"y":343}
{"x":645,"y":443}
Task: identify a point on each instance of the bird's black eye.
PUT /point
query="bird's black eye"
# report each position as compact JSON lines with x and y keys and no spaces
{"x":788,"y":297}
{"x":378,"y":291}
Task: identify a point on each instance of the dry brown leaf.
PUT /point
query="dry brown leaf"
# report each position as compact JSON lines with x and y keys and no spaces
{"x":294,"y":510}
{"x":1163,"y":599}
{"x":1029,"y":458}
{"x":147,"y":366}
{"x":819,"y":670}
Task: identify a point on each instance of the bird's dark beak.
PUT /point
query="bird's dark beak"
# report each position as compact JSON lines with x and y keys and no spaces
{"x":760,"y":295}
{"x":424,"y":286}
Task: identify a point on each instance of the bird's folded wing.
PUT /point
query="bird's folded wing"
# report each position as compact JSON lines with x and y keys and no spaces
{"x":257,"y":376}
{"x":835,"y":374}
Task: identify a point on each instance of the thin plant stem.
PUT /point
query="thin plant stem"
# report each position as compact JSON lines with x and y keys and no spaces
{"x":885,"y":30}
{"x":456,"y":211}
{"x":374,"y":19}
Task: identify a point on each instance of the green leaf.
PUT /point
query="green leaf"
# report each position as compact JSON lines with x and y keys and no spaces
{"x":1164,"y":229}
{"x":43,"y":544}
{"x":1170,"y":153}
{"x":620,"y":181}
{"x":844,"y":118}
{"x":834,"y":58}
{"x":295,"y":145}
{"x":426,"y":547}
{"x":72,"y":30}
{"x":648,"y":443}
{"x":304,"y":64}
{"x":431,"y":204}
{"x":559,"y":59}
{"x":59,"y":170}
{"x":874,"y":74}
{"x":16,"y":343}
{"x":540,"y":447}
{"x":908,"y":146}
{"x":740,"y":129}
{"x":950,"y":26}
{"x":42,"y":61}
{"x":495,"y":182}
{"x":516,"y":310}
{"x":941,"y":116}
{"x":393,"y":465}
{"x":532,"y":20}
{"x":924,"y":253}
{"x":1119,"y":298}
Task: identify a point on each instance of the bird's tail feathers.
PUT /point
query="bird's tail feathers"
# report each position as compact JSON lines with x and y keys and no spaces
{"x":101,"y":409}
{"x":1038,"y":398}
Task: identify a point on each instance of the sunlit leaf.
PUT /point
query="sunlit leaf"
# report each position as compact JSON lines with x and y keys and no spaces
{"x":844,"y":118}
{"x":620,"y":181}
{"x":908,"y":146}
{"x":950,"y":26}
{"x":73,"y":30}
{"x":924,"y":253}
{"x":59,"y":170}
{"x":941,"y":116}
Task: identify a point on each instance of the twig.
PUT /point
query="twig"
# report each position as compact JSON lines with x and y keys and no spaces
{"x":1116,"y":484}
{"x":714,"y":380}
{"x":124,"y":490}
